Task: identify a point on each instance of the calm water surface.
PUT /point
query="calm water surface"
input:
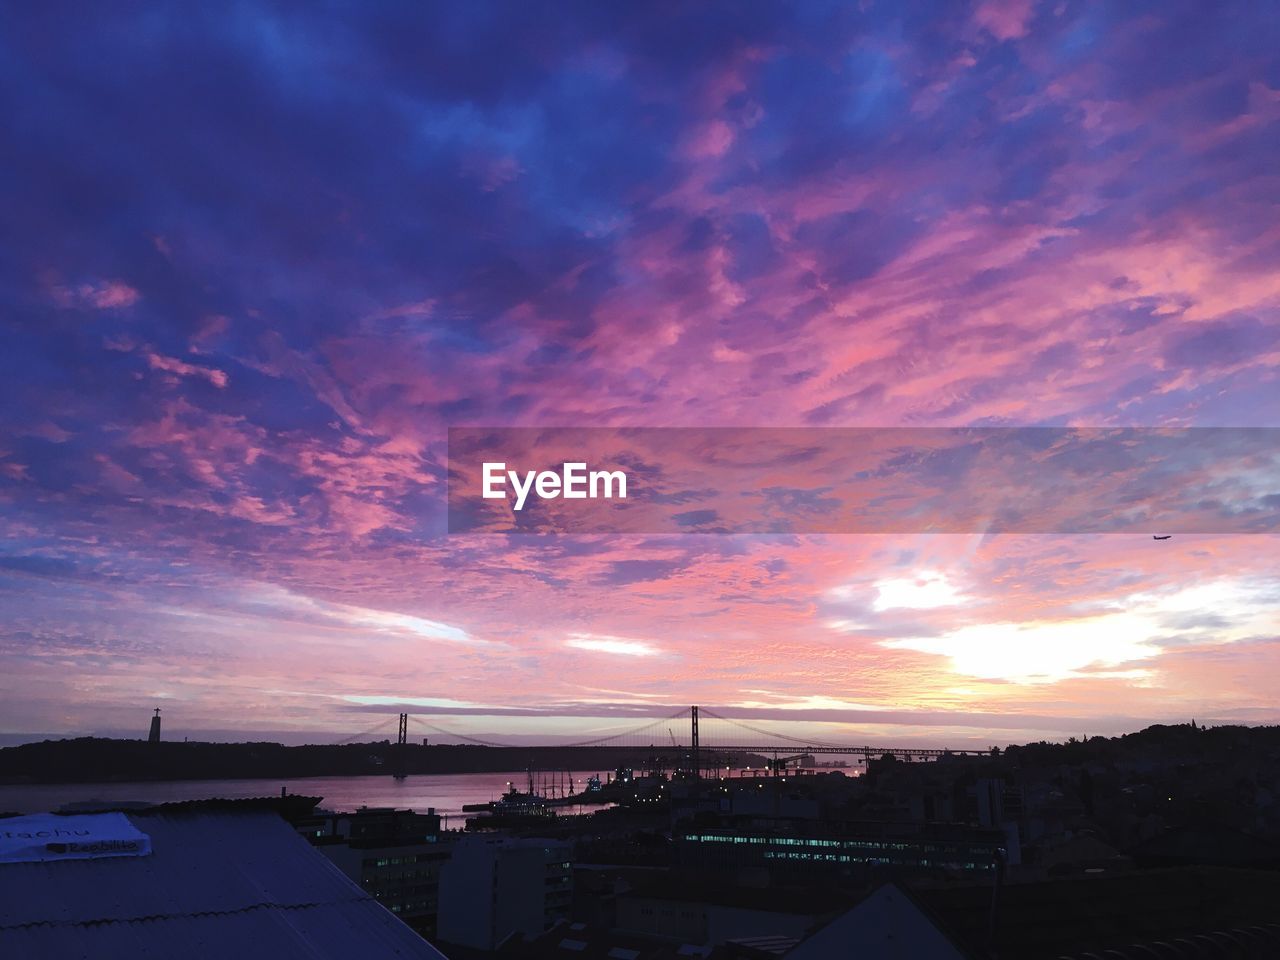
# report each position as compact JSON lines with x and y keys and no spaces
{"x":445,"y":792}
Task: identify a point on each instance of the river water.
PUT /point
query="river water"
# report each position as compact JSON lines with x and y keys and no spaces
{"x":446,"y":793}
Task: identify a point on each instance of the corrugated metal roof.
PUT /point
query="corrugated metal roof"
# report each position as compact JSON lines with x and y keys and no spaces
{"x":217,"y":885}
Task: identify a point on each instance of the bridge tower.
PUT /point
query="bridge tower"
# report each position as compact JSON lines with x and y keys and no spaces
{"x":399,"y":760}
{"x":695,"y":760}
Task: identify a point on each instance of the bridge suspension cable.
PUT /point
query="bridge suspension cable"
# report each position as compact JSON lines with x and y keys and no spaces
{"x":450,"y":733}
{"x":381,"y":725}
{"x":799,"y":741}
{"x":652,"y":725}
{"x":710,"y":741}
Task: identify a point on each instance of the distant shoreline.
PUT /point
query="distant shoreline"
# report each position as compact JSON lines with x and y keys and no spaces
{"x":101,"y":760}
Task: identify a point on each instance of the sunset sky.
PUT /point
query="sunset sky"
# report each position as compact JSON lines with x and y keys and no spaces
{"x":259,"y":258}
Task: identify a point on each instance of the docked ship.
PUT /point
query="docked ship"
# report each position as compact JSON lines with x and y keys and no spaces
{"x":515,"y":808}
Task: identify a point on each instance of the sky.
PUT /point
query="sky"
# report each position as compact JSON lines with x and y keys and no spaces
{"x":259,"y":258}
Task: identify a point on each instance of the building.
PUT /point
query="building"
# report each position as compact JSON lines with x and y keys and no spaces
{"x":200,"y":884}
{"x":803,"y":851}
{"x":496,"y":886}
{"x":395,"y":855}
{"x":687,"y":910}
{"x":1202,"y":911}
{"x":997,"y":802}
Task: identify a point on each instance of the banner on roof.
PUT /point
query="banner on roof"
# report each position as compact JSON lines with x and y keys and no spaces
{"x":44,"y":837}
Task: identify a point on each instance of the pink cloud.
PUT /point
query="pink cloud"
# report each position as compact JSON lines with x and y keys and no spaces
{"x":1022,"y":236}
{"x":1004,"y":19}
{"x":99,"y":294}
{"x":713,"y":139}
{"x":173,"y":365}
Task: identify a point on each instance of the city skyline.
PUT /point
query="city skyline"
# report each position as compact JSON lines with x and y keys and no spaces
{"x":261,"y":261}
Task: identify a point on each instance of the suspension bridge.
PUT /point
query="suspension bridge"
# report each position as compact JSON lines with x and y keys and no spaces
{"x":705,"y":738}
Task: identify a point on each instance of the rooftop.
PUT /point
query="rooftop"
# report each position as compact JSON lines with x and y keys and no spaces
{"x":217,"y":883}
